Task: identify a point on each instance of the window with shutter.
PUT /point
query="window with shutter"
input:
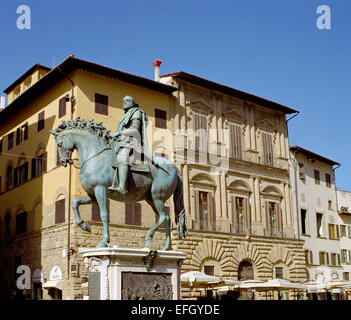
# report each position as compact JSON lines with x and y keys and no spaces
{"x":133,"y":214}
{"x":10,"y":141}
{"x":328,"y":180}
{"x":301,"y":171}
{"x":18,"y":136}
{"x":15,"y":177}
{"x":200,"y":129}
{"x":235,"y":141}
{"x":24,"y":133}
{"x":160,"y":119}
{"x":62,"y":107}
{"x":273,"y":217}
{"x":241,"y":212}
{"x":41,"y":123}
{"x":316,"y":177}
{"x":41,"y":163}
{"x":9,"y":181}
{"x":267,"y":149}
{"x":22,"y":174}
{"x":101,"y":104}
{"x":60,"y":211}
{"x":21,"y":222}
{"x":205,"y":216}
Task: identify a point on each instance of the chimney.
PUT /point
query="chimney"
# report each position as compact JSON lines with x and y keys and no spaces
{"x":2,"y":103}
{"x":157,"y":64}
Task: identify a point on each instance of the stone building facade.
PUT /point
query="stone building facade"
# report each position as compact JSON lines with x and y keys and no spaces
{"x":232,"y":148}
{"x":317,"y":221}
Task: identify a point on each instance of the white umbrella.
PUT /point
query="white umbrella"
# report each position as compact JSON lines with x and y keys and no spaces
{"x":246,"y":284}
{"x":315,"y":286}
{"x":197,"y":279}
{"x":281,"y":284}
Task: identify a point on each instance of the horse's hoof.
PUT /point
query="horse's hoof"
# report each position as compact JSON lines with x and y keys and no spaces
{"x":84,"y":226}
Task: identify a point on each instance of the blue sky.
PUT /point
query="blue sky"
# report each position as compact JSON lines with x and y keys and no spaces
{"x":270,"y":48}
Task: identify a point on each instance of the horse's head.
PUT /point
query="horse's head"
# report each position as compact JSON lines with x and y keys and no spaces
{"x":65,"y":147}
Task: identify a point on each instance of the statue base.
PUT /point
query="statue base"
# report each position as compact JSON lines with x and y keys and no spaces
{"x":133,"y":274}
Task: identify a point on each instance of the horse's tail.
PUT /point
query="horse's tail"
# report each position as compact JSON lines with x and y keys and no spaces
{"x":179,"y":209}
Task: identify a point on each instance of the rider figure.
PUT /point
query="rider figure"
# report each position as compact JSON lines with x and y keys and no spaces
{"x":129,"y":135}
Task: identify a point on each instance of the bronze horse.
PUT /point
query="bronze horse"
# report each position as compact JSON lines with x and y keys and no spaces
{"x":93,"y":144}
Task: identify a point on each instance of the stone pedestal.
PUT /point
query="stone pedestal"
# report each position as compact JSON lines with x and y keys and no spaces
{"x":133,"y":274}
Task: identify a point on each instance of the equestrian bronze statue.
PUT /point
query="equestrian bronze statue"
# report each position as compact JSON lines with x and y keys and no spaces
{"x":121,"y":167}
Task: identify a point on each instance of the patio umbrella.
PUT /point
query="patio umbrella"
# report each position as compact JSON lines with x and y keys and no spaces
{"x":282,"y":284}
{"x":246,"y":284}
{"x":197,"y":279}
{"x":315,"y":286}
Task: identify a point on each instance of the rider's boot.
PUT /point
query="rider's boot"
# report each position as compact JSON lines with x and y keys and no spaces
{"x":122,"y":175}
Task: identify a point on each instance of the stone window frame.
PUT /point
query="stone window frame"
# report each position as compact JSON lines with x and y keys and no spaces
{"x":266,"y":127}
{"x":239,"y":188}
{"x":273,"y":195}
{"x":202,"y":108}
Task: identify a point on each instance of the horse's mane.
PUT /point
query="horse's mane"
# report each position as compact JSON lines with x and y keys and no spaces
{"x":87,"y":125}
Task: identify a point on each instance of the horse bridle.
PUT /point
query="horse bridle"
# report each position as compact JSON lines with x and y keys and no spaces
{"x":96,"y":154}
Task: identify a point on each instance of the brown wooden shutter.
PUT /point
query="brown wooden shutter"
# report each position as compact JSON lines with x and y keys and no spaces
{"x":160,"y":119}
{"x":10,"y":141}
{"x":18,"y":136}
{"x":34,"y":168}
{"x":129,"y":213}
{"x":26,"y":172}
{"x":101,"y":104}
{"x":200,"y":128}
{"x":235,"y":226}
{"x":95,"y":212}
{"x":41,"y":117}
{"x":58,"y":162}
{"x":248,"y":216}
{"x":25,"y":132}
{"x":137,"y":214}
{"x":267,"y":149}
{"x":45,"y":161}
{"x":268,"y":220}
{"x":235,"y":143}
{"x":62,"y":107}
{"x":15,"y":175}
{"x":60,"y":211}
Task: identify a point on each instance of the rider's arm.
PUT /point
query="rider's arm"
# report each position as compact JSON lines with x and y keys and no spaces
{"x":134,"y":128}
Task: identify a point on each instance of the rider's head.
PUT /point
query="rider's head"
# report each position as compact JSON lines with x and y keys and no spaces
{"x":128,"y":102}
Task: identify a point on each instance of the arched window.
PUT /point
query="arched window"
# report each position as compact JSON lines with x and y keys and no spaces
{"x":245,"y":271}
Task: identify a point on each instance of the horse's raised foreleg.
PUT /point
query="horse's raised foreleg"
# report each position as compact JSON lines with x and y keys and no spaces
{"x":101,"y":198}
{"x":159,"y":208}
{"x":75,"y":205}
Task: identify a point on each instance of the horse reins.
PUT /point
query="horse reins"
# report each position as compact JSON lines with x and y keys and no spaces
{"x":96,"y":154}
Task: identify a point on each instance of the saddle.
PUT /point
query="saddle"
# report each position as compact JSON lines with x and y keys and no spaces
{"x":137,"y":167}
